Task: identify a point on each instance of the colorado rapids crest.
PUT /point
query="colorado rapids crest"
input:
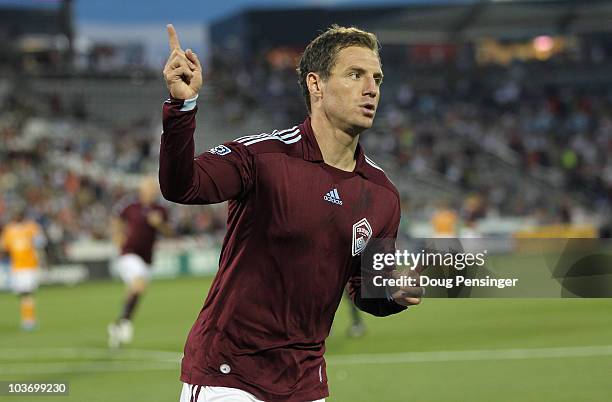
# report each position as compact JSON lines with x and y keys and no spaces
{"x":362,"y":231}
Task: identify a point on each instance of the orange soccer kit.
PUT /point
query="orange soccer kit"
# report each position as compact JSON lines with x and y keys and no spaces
{"x":19,"y":240}
{"x":444,"y":222}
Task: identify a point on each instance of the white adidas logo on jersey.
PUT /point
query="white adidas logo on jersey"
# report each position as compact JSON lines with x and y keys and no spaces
{"x":333,"y":197}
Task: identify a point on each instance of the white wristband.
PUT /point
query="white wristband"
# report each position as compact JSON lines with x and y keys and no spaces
{"x":189,"y":104}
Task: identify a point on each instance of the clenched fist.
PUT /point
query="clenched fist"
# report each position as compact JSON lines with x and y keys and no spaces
{"x":183,"y":71}
{"x":408,"y":295}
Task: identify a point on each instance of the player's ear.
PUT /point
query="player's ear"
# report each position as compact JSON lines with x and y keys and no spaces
{"x":314,"y":83}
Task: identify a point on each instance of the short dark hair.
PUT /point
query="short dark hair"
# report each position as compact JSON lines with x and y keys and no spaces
{"x":320,"y":54}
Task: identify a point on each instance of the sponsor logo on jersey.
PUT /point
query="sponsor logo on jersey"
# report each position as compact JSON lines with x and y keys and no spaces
{"x":362,"y":232}
{"x":333,"y":197}
{"x":220,"y":150}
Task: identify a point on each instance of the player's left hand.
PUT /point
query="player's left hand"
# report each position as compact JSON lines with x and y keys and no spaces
{"x":408,"y":295}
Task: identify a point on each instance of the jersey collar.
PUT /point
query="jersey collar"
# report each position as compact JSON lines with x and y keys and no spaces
{"x":312,"y":152}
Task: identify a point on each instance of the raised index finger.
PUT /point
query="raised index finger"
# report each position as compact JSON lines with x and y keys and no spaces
{"x":173,"y":38}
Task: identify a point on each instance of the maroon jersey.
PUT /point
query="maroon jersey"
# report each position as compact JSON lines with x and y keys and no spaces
{"x":296,"y":227}
{"x":140,"y":235}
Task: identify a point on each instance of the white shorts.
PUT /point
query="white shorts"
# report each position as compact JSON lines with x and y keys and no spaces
{"x":201,"y":393}
{"x":131,"y":267}
{"x":24,"y":280}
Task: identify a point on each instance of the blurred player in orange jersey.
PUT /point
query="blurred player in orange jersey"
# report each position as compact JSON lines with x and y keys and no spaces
{"x":444,"y":221}
{"x":22,"y":238}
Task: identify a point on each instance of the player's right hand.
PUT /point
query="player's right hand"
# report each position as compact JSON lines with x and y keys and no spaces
{"x":183,"y":71}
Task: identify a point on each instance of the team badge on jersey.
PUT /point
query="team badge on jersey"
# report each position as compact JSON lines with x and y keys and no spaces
{"x":220,"y":150}
{"x":362,"y":231}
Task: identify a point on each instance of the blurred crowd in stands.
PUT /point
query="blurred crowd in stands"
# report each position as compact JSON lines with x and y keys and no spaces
{"x":71,"y":174}
{"x":504,"y":142}
{"x":511,"y":135}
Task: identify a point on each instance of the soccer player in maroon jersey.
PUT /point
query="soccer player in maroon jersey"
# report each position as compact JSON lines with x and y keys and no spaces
{"x":135,"y":230}
{"x":303,"y":204}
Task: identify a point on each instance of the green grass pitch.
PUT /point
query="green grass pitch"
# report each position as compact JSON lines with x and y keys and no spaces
{"x":444,"y":350}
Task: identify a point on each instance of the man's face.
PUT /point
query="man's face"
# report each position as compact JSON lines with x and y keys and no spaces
{"x":149,"y":190}
{"x":351,"y":93}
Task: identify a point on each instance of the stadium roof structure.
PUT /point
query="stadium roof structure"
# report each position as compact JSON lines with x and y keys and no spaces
{"x":17,"y":21}
{"x":500,"y":19}
{"x":420,"y":22}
